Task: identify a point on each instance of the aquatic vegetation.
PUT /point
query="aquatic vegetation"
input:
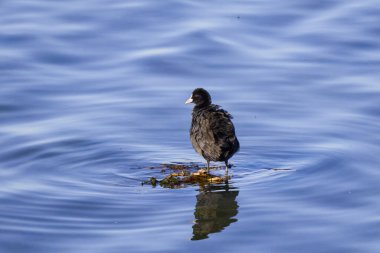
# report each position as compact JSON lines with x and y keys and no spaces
{"x":181,"y":175}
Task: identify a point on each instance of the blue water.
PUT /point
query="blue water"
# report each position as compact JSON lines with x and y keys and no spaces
{"x":92,"y":97}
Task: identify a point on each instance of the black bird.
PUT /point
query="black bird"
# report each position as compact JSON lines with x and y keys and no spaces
{"x":212,"y":132}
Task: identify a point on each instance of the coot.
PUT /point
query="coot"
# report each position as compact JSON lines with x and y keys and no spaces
{"x":212,"y":132}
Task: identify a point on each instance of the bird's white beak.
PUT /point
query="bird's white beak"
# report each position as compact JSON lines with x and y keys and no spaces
{"x":190,"y":100}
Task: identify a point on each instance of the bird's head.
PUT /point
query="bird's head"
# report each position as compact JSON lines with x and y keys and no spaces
{"x":200,"y":97}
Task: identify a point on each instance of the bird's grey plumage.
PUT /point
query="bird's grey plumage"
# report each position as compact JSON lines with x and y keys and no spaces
{"x":212,"y":132}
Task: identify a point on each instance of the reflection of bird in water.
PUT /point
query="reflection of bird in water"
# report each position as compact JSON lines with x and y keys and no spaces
{"x":214,"y":210}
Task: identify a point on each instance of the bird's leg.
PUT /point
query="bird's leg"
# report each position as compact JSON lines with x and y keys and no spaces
{"x":226,"y":174}
{"x":208,"y":167}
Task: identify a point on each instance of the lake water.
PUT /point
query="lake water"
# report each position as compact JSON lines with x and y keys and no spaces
{"x":92,"y":97}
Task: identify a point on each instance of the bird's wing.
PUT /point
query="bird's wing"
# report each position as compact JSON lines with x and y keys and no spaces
{"x":223,"y":130}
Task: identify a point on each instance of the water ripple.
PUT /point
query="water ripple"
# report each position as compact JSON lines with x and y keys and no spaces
{"x":92,"y":97}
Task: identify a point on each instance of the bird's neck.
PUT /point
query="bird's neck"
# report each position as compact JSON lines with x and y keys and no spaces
{"x":202,"y":106}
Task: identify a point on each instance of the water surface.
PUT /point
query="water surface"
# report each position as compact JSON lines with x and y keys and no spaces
{"x":92,"y":96}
